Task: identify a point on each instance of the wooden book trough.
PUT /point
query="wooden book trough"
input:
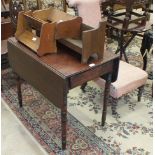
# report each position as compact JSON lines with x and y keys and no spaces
{"x":39,"y":30}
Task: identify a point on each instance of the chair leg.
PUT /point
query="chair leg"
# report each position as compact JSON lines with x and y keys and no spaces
{"x":140,"y":91}
{"x":83,"y":87}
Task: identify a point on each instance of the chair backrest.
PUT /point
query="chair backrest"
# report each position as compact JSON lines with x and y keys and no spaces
{"x":89,"y":10}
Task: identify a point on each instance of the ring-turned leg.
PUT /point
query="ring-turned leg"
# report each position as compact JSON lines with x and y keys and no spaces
{"x":106,"y":97}
{"x":83,"y":87}
{"x":64,"y":121}
{"x":19,"y":91}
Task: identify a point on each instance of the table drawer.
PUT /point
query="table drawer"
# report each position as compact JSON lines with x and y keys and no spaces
{"x":95,"y":72}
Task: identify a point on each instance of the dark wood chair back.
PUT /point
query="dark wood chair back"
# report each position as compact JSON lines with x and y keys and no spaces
{"x":128,"y":18}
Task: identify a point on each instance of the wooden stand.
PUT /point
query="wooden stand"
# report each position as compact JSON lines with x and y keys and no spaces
{"x":27,"y":33}
{"x":40,"y":29}
{"x":90,"y":44}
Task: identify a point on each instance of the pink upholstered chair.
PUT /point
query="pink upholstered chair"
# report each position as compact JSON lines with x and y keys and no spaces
{"x":129,"y":76}
{"x":129,"y":79}
{"x":89,"y":10}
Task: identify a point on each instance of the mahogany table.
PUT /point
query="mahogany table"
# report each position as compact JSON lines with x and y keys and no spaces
{"x":54,"y":74}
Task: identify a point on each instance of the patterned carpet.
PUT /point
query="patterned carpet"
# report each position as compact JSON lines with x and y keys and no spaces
{"x":42,"y":119}
{"x":132,"y":133}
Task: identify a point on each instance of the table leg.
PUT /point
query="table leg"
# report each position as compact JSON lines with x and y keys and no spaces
{"x":64,"y":122}
{"x":108,"y":78}
{"x":83,"y":87}
{"x":19,"y":91}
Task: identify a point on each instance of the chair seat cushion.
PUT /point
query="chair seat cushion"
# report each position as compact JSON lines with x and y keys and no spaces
{"x":129,"y":78}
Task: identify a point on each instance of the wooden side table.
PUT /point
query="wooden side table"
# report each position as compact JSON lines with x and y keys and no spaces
{"x":55,"y":74}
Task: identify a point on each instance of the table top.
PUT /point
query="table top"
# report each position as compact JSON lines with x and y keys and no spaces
{"x":54,"y":75}
{"x":67,"y":62}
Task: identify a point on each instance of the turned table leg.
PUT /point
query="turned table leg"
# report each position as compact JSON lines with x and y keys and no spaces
{"x":19,"y":91}
{"x":106,"y":97}
{"x":64,"y":122}
{"x":83,"y":87}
